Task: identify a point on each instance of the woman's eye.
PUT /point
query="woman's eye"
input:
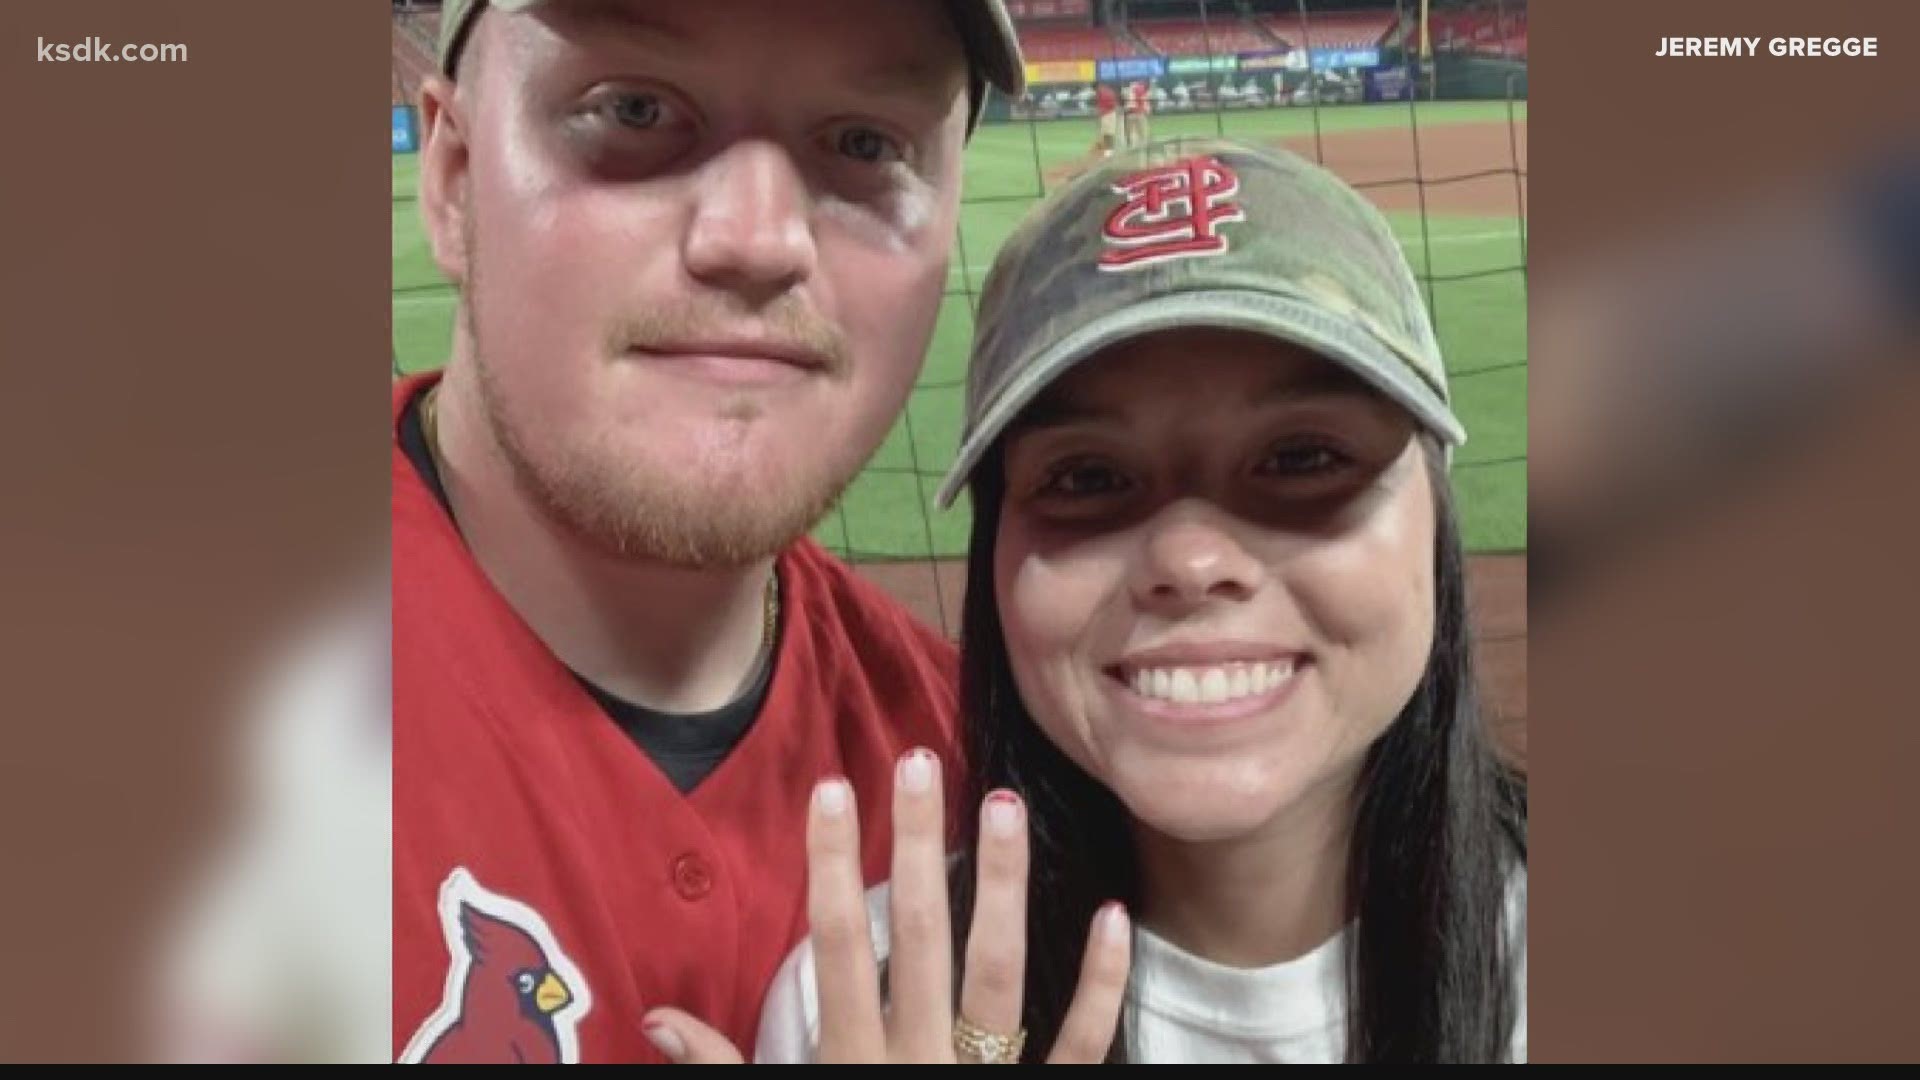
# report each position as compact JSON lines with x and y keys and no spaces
{"x":1303,"y":460}
{"x":1084,"y":479}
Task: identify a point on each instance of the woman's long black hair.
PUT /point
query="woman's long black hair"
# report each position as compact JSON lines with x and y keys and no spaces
{"x":1440,"y":826}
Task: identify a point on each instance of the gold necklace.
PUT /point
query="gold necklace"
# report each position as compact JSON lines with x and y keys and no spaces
{"x":773,"y":609}
{"x":430,"y":425}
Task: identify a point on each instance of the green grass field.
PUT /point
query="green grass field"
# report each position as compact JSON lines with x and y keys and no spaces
{"x":888,"y":512}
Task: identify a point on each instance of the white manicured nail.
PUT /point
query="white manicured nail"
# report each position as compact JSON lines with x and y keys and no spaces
{"x":916,"y":773}
{"x":833,"y":797}
{"x":1003,"y":816}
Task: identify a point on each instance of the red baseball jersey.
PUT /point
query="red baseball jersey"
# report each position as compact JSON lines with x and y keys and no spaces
{"x":550,"y":882}
{"x":1105,"y":99}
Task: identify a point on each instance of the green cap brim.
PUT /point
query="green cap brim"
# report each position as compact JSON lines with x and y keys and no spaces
{"x":1285,"y":318}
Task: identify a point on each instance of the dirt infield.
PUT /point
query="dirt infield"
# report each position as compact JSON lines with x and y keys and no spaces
{"x":1469,"y":168}
{"x":1461,"y":168}
{"x":1496,"y":596}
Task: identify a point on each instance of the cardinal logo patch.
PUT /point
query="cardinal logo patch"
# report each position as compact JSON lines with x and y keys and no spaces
{"x":1171,"y":212}
{"x":512,"y":996}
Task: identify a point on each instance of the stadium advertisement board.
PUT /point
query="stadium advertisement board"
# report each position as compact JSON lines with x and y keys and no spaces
{"x":1131,"y":67}
{"x":1388,"y":84}
{"x":405,"y":141}
{"x":1200,"y":65}
{"x":1345,"y":58}
{"x":1059,"y":71}
{"x":1296,"y":60}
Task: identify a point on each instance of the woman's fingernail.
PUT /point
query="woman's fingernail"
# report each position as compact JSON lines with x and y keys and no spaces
{"x":916,"y":772}
{"x":833,"y":797}
{"x":1003,"y":814}
{"x":1113,"y":923}
{"x":666,"y":1040}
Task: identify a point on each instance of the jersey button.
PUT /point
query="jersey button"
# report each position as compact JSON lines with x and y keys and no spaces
{"x":692,"y":877}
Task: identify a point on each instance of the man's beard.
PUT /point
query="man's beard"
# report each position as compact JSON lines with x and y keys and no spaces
{"x":633,"y":508}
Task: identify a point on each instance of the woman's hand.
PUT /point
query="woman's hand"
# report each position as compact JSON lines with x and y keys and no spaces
{"x":918,"y":1023}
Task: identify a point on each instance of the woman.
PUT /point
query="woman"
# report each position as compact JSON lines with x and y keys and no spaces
{"x":1215,"y":661}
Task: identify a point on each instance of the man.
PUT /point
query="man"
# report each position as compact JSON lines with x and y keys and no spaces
{"x":1109,"y":109}
{"x":700,"y":250}
{"x":1137,"y":109}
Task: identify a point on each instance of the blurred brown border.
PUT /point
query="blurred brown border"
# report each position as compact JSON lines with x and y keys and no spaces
{"x":1722,"y":719}
{"x":194,"y":279}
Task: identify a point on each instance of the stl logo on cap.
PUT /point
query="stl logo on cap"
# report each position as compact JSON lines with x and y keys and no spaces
{"x":1171,"y":212}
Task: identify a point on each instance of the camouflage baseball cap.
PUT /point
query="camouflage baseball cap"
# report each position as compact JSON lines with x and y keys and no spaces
{"x":1198,"y":233}
{"x":985,"y":28}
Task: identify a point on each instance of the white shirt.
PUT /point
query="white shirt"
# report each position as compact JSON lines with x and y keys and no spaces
{"x":1180,"y":1007}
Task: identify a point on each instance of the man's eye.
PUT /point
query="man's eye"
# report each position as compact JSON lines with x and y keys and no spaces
{"x":637,"y":110}
{"x":865,"y":144}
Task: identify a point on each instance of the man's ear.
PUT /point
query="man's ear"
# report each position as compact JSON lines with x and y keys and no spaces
{"x":443,"y":176}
